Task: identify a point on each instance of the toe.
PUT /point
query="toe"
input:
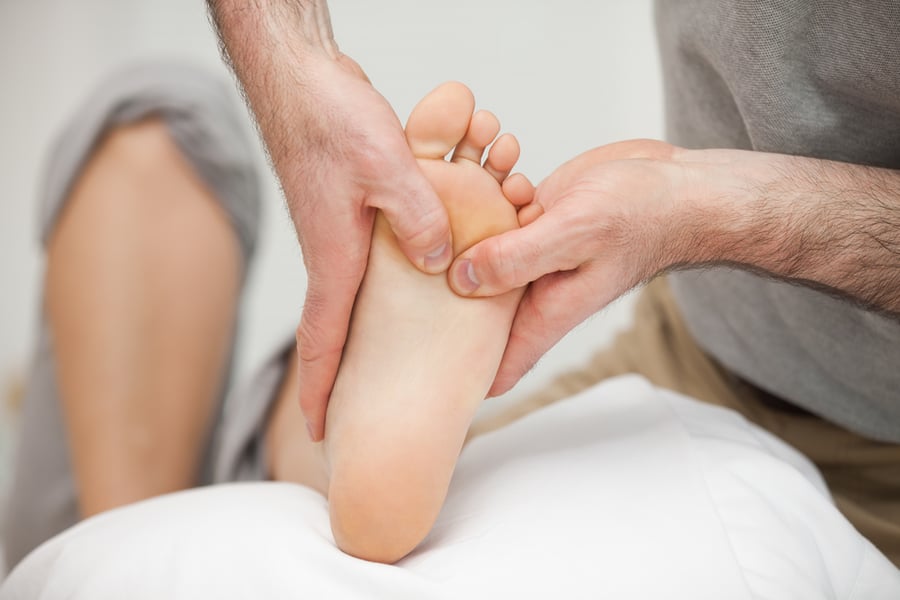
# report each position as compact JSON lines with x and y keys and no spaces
{"x":440,"y":120}
{"x":483,"y":128}
{"x":502,"y":156}
{"x":518,"y":190}
{"x":529,"y":214}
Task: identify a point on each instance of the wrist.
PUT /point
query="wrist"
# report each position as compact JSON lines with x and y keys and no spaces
{"x":830,"y":225}
{"x":733,"y":211}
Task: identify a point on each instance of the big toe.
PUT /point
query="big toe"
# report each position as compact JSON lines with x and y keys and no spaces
{"x":440,"y":120}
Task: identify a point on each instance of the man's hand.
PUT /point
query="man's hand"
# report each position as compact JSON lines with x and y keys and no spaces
{"x":596,"y":228}
{"x":340,"y":154}
{"x":620,"y":214}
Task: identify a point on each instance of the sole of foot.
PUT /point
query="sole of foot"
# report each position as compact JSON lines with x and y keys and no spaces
{"x":419,"y":359}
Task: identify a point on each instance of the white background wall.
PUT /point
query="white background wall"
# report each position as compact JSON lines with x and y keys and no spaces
{"x":564,"y":76}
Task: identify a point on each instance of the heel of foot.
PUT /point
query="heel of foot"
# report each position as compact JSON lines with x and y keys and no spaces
{"x":379,"y":522}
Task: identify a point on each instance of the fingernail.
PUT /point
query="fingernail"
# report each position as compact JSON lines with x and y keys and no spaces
{"x":309,"y":430}
{"x":466,"y":281}
{"x":438,"y":259}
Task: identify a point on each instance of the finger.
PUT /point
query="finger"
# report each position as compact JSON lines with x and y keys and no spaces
{"x":320,"y":339}
{"x":551,"y":307}
{"x":556,"y":241}
{"x":417,"y":217}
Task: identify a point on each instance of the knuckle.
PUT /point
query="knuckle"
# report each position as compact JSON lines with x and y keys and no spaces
{"x":308,"y":342}
{"x":380,"y":155}
{"x":314,"y":341}
{"x":371,"y":159}
{"x":592,"y":229}
{"x":416,"y":215}
{"x":503,"y":262}
{"x":578,"y":235}
{"x":421,"y":225}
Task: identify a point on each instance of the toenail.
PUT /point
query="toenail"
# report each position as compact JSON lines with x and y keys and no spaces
{"x":439,"y":259}
{"x":309,"y":430}
{"x":466,"y":281}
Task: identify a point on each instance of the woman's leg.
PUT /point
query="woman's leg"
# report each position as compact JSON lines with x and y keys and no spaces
{"x":143,"y":280}
{"x":149,"y":217}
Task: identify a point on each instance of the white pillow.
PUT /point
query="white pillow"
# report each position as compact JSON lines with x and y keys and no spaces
{"x":624,"y":491}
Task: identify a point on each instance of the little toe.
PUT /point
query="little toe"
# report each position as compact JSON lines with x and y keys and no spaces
{"x":440,"y":120}
{"x":483,"y":128}
{"x":502,"y":157}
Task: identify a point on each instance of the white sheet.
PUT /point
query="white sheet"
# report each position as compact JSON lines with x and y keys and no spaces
{"x":624,"y":491}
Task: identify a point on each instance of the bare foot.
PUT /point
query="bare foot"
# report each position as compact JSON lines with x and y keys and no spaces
{"x":419,"y":359}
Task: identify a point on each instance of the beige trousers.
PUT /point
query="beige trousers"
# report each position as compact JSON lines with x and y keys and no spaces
{"x":863,"y":475}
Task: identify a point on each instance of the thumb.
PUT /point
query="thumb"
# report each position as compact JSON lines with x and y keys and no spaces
{"x":513,"y":259}
{"x":418,"y":219}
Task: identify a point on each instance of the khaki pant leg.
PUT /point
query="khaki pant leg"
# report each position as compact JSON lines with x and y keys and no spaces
{"x":657,"y":346}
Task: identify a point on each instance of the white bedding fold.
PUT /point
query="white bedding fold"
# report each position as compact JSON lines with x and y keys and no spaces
{"x":624,"y":491}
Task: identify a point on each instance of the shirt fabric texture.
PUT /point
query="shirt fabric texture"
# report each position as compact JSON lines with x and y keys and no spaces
{"x":818,"y":79}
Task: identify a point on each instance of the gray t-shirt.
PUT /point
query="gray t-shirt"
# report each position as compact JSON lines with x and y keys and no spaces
{"x":819,"y":79}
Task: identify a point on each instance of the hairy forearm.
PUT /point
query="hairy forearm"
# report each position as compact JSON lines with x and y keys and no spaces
{"x":281,"y":51}
{"x":255,"y":31}
{"x":273,"y":46}
{"x":829,"y":225}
